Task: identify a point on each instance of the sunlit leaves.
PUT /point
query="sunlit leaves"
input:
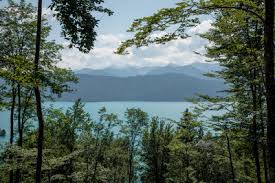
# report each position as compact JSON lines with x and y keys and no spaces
{"x":172,"y":23}
{"x":78,"y":21}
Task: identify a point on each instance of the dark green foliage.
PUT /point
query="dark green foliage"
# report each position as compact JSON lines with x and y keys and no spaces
{"x":18,"y":27}
{"x":155,"y":151}
{"x":78,"y":23}
{"x":233,"y":146}
{"x":79,"y":149}
{"x":242,"y":43}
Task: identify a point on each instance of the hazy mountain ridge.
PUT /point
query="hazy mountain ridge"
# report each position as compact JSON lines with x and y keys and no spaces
{"x":165,"y":87}
{"x":195,"y":70}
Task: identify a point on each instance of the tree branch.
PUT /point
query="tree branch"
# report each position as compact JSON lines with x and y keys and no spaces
{"x":236,"y":8}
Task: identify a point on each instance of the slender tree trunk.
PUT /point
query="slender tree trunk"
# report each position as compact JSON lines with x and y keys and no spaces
{"x":38,"y":96}
{"x":255,"y":130}
{"x":12,"y":113}
{"x":40,"y":136}
{"x":71,"y":165}
{"x":97,"y":146}
{"x":230,"y":158}
{"x":264,"y":155}
{"x":270,"y":88}
{"x":187,"y":166}
{"x":130,"y":166}
{"x":95,"y":169}
{"x":87,"y":164}
{"x":156,"y":164}
{"x":12,"y":121}
{"x":49,"y":177}
{"x":20,"y":132}
{"x":263,"y":135}
{"x":24,"y":112}
{"x":130,"y":169}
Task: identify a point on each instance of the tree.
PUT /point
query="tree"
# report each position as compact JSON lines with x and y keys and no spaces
{"x":181,"y":17}
{"x":155,"y":151}
{"x":183,"y":149}
{"x":242,"y":70}
{"x":80,"y":31}
{"x":17,"y":28}
{"x":270,"y":83}
{"x":136,"y":121}
{"x":103,"y":131}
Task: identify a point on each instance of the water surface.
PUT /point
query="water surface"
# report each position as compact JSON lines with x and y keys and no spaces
{"x":171,"y":110}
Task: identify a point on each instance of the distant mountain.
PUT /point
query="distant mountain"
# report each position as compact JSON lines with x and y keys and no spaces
{"x":116,"y":72}
{"x":164,"y":87}
{"x":189,"y":70}
{"x":195,"y":70}
{"x":206,"y":67}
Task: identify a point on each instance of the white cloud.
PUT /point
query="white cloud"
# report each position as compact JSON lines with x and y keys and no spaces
{"x":203,"y":27}
{"x":179,"y":52}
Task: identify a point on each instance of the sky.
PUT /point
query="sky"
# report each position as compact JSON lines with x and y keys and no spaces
{"x":112,"y":30}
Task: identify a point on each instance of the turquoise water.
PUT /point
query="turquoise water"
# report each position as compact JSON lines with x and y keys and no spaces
{"x":171,"y":110}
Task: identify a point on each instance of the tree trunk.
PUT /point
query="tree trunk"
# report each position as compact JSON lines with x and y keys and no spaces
{"x":20,"y":132}
{"x":230,"y":158}
{"x":38,"y":96}
{"x":269,"y":76}
{"x":12,"y":113}
{"x":156,"y":167}
{"x":95,"y":170}
{"x":24,"y":112}
{"x":12,"y":122}
{"x":253,"y":89}
{"x":263,"y":136}
{"x":130,"y":166}
{"x":130,"y":170}
{"x":264,"y":155}
{"x":96,"y":158}
{"x":40,"y":136}
{"x":188,"y":180}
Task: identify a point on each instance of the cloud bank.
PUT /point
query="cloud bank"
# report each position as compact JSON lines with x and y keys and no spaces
{"x":180,"y":52}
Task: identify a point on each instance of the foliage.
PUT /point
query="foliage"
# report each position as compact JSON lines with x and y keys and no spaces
{"x":228,"y":147}
{"x":78,"y":24}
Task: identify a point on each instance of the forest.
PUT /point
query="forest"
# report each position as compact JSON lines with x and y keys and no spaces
{"x":51,"y":145}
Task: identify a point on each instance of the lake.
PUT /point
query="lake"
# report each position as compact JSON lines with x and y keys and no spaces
{"x":171,"y":110}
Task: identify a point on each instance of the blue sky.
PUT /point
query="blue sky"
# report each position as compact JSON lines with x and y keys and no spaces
{"x":112,"y":30}
{"x":125,"y":12}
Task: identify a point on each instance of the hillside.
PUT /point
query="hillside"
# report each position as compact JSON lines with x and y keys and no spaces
{"x":166,"y":87}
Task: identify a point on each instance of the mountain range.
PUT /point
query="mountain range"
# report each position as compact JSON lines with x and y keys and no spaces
{"x":194,"y":70}
{"x":168,"y":83}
